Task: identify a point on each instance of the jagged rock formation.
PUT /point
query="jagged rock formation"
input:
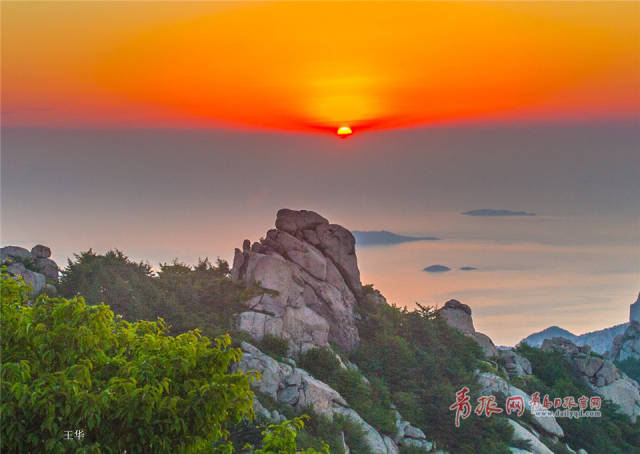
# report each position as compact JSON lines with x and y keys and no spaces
{"x":288,"y":384}
{"x":458,"y":316}
{"x":310,"y":270}
{"x":627,"y":345}
{"x":594,"y":370}
{"x":35,"y":266}
{"x":600,"y":374}
{"x":634,"y":311}
{"x":515,"y":364}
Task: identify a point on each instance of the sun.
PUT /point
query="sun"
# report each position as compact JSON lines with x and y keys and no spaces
{"x":344,"y":132}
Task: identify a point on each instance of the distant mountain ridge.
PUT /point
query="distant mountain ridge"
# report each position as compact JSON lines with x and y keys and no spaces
{"x":384,"y":237}
{"x":600,"y":341}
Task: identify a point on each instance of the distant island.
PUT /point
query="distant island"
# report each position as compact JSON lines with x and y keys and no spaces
{"x":437,"y":269}
{"x":491,"y":212}
{"x":468,"y":268}
{"x":383,"y":237}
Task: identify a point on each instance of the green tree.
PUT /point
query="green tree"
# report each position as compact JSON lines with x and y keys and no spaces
{"x":612,"y":433}
{"x":202,"y":296}
{"x":70,"y":366}
{"x":424,"y":362}
{"x":281,"y":439}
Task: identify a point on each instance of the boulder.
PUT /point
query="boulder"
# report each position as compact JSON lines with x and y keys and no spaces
{"x":391,"y":446}
{"x":487,"y":345}
{"x":601,"y":374}
{"x":624,"y":392}
{"x":634,"y":311}
{"x":309,"y":270}
{"x":48,"y":267}
{"x":626,"y":345}
{"x":34,"y":280}
{"x":491,"y":384}
{"x":458,"y":316}
{"x":515,"y":364}
{"x":34,"y":268}
{"x":520,"y":433}
{"x":14,"y":252}
{"x":40,"y":252}
{"x":16,"y":268}
{"x":409,"y":436}
{"x":296,"y":387}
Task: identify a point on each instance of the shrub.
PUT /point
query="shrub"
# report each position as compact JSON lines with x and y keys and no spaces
{"x":70,"y":366}
{"x":186,"y":297}
{"x":274,"y":346}
{"x":320,"y":429}
{"x":631,"y":367}
{"x":613,"y":432}
{"x":371,"y":400}
{"x":425,"y":362}
{"x":319,"y":362}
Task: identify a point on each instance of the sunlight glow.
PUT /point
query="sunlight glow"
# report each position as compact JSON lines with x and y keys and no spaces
{"x":317,"y":66}
{"x":344,"y":131}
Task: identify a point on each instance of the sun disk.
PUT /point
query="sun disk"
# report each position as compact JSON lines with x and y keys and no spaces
{"x":344,"y":131}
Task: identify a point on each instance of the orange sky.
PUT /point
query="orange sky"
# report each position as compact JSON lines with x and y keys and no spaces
{"x":308,"y":66}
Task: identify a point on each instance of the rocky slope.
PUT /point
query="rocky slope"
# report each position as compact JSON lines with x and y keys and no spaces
{"x":35,"y":266}
{"x":600,"y":374}
{"x":308,"y":269}
{"x":287,"y":384}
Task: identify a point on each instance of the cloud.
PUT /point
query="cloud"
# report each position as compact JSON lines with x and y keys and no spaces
{"x":491,"y":212}
{"x":383,"y":237}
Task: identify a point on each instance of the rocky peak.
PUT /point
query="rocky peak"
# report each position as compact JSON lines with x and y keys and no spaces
{"x":458,"y":316}
{"x":626,"y":345}
{"x":565,"y":346}
{"x":311,"y":271}
{"x":634,"y":311}
{"x":35,"y":266}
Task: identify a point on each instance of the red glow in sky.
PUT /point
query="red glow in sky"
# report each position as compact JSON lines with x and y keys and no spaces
{"x":317,"y":66}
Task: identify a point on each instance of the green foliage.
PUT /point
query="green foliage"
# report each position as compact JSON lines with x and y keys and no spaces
{"x":281,"y":439}
{"x":28,"y":262}
{"x":371,"y":400}
{"x":185,"y":297}
{"x":320,"y":430}
{"x":319,"y":362}
{"x":70,"y":366}
{"x":275,"y":346}
{"x":611,"y":433}
{"x":425,"y":362}
{"x":631,"y":367}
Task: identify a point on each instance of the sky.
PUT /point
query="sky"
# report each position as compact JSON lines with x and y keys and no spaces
{"x":176,"y":130}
